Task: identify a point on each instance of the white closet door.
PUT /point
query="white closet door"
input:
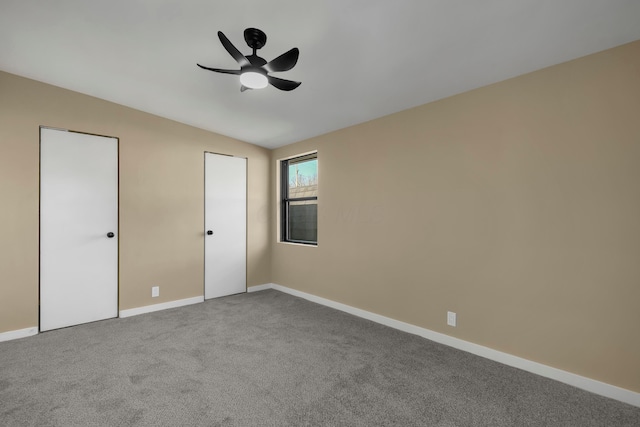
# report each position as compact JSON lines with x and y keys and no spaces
{"x":225,"y":247}
{"x":78,"y":213}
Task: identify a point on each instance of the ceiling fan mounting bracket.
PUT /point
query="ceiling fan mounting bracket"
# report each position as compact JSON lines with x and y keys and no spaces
{"x":255,"y":38}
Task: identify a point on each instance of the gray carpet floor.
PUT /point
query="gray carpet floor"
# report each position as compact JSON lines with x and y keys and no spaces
{"x":271,"y":359}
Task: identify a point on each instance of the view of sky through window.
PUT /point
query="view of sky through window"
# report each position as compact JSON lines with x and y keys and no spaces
{"x":302,"y":174}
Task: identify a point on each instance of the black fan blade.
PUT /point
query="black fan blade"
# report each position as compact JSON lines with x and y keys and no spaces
{"x":218,"y":70}
{"x":283,"y":84}
{"x":240,"y":58}
{"x":284,"y":62}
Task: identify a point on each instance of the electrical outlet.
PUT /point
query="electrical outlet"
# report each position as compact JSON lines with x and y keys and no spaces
{"x":451,"y":318}
{"x":155,"y":291}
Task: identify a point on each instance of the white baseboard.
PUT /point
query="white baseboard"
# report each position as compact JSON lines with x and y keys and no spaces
{"x":162,"y":306}
{"x":260,"y":287}
{"x":588,"y":384}
{"x":20,"y":333}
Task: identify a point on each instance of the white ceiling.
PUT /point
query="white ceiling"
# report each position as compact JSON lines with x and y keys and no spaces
{"x":359,"y":59}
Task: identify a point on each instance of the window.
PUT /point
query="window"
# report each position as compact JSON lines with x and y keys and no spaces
{"x":299,"y":199}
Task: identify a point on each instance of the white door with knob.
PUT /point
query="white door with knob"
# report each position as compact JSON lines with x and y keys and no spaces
{"x":78,"y":228}
{"x":225,"y":248}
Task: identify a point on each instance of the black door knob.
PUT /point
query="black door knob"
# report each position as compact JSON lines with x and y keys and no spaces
{"x":209,"y":232}
{"x":110,"y":234}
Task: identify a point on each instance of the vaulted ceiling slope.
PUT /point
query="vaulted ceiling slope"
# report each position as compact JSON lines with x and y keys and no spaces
{"x":359,"y":59}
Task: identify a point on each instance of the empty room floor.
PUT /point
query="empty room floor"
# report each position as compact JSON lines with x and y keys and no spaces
{"x":271,"y":359}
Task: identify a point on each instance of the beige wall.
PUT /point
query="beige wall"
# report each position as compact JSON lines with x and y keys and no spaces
{"x":161,"y":197}
{"x":516,"y":205}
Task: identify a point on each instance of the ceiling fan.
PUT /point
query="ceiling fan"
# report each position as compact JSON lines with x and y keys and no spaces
{"x":254,"y":70}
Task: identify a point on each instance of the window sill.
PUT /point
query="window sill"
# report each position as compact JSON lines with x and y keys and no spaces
{"x":307,"y":245}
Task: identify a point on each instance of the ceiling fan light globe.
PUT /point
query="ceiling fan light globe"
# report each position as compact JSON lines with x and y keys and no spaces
{"x":254,"y":80}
